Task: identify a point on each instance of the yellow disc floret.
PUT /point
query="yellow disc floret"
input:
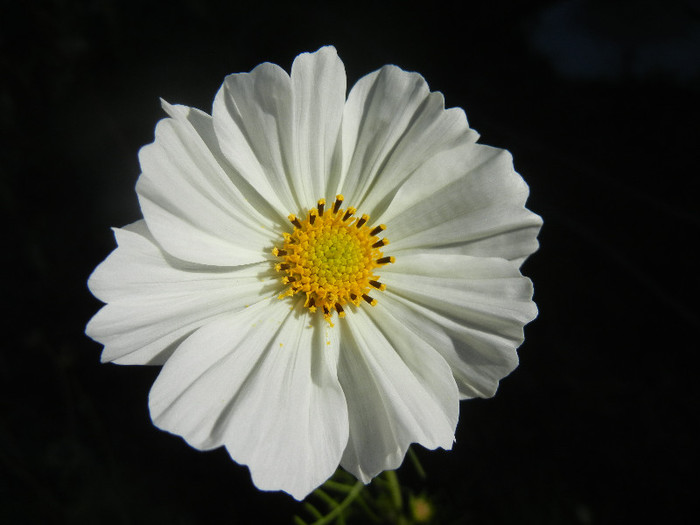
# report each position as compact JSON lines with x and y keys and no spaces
{"x":331,"y":257}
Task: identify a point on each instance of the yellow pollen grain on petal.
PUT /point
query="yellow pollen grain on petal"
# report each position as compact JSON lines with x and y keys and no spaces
{"x":331,"y":258}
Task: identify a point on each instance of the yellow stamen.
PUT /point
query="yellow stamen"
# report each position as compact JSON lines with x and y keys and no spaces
{"x":338,"y":202}
{"x":293,"y":219}
{"x":378,"y":229}
{"x":331,"y":257}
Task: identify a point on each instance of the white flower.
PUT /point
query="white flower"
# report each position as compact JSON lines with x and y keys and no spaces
{"x":237,"y":275}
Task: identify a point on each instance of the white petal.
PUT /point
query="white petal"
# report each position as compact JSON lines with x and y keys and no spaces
{"x":154,"y":300}
{"x":279,"y":132}
{"x":190,"y":204}
{"x":252,"y":117}
{"x":482,"y":304}
{"x":466,"y":200}
{"x":391,"y":125}
{"x":399,"y":391}
{"x":479,"y":359}
{"x":204,"y":125}
{"x":264,"y":384}
{"x":319,"y":85}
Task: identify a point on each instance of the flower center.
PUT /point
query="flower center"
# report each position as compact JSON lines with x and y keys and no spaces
{"x":330,"y":257}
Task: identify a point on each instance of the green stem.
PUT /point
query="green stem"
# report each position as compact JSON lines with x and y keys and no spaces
{"x":361,"y":501}
{"x":338,"y":487}
{"x":416,"y":463}
{"x":328,"y":518}
{"x":322,"y":494}
{"x":313,"y":510}
{"x":394,"y":488}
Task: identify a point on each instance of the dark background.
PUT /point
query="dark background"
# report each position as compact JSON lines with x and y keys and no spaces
{"x":597,"y":101}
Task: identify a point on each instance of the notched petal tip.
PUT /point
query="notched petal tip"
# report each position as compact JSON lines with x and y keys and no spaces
{"x":327,"y":50}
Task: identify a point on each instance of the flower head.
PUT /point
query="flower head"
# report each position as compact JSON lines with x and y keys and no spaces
{"x":290,"y":331}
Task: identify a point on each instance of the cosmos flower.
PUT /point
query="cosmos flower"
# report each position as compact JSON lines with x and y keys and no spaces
{"x":262,"y":278}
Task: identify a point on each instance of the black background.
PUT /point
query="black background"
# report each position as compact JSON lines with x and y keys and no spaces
{"x":597,"y":101}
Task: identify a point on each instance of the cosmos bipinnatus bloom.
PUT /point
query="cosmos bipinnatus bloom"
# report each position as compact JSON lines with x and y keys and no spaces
{"x":322,"y":278}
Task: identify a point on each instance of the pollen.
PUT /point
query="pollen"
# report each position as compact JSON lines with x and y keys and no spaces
{"x":331,"y":258}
